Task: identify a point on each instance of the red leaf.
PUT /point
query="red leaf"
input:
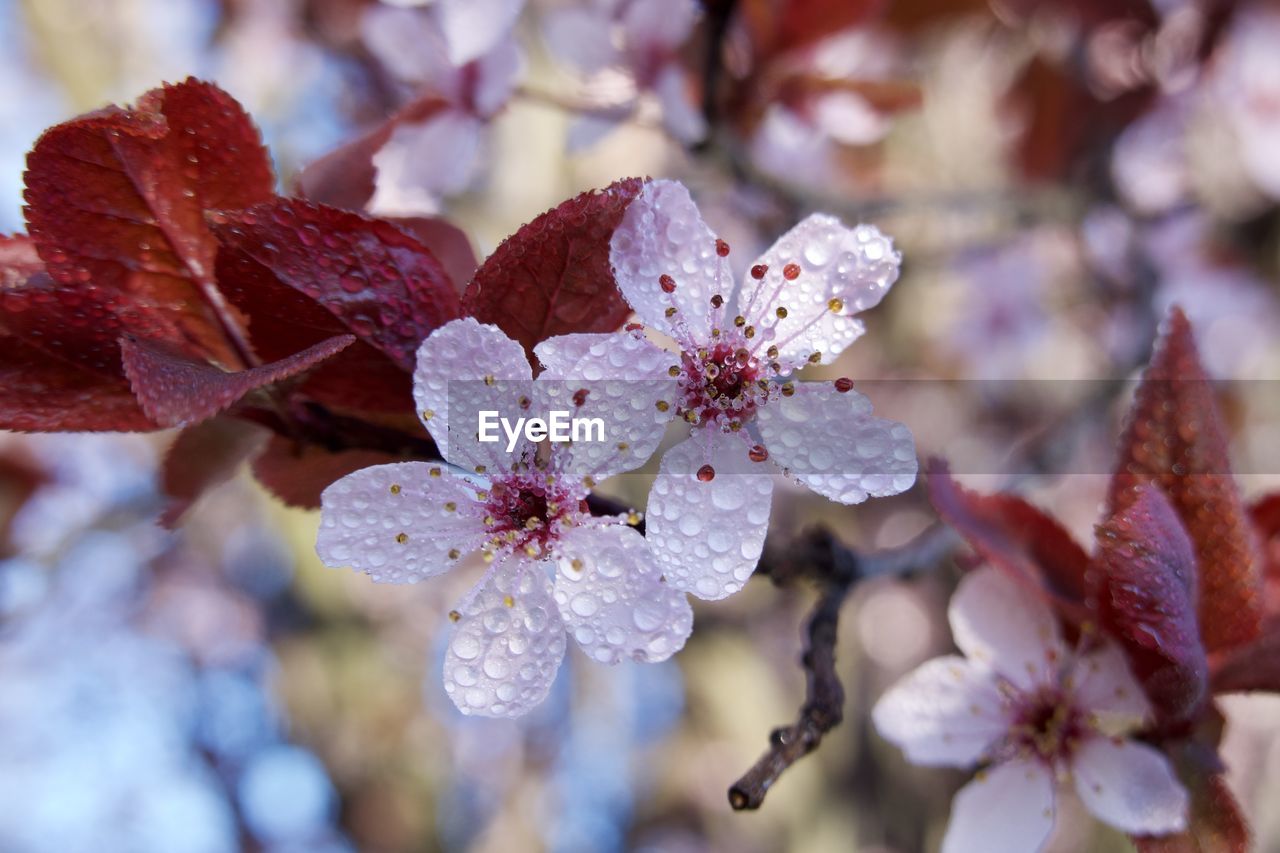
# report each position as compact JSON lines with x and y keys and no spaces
{"x":116,"y":199}
{"x":447,"y":242}
{"x":777,"y":26}
{"x":1018,"y":539}
{"x":1265,"y":513}
{"x":202,"y":457}
{"x":553,"y":276}
{"x":175,"y":390}
{"x":298,"y":474}
{"x":383,"y":285}
{"x":45,"y":394}
{"x":359,"y":379}
{"x":1175,"y":440}
{"x":1144,"y":578}
{"x":1252,"y":667}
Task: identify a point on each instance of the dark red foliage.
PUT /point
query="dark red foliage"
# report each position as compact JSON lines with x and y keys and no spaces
{"x":1252,"y":667}
{"x":1265,"y":514}
{"x":553,"y":277}
{"x":1018,"y":539}
{"x":1176,"y":441}
{"x":374,"y":279}
{"x":203,"y":456}
{"x":778,"y":26}
{"x":117,"y":199}
{"x":176,"y":391}
{"x":297,"y":473}
{"x":1144,"y":590}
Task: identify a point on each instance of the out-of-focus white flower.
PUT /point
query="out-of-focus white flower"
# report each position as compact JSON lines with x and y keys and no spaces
{"x":709,"y":508}
{"x":639,"y":38}
{"x":1035,"y":712}
{"x":1149,"y":162}
{"x":462,"y":55}
{"x":1245,"y":84}
{"x":553,"y":567}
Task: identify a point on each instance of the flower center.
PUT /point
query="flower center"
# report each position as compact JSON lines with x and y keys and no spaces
{"x":1048,"y":725}
{"x":724,"y":383}
{"x":527,"y":512}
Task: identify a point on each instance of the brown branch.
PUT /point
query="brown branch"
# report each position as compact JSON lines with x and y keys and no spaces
{"x":837,"y":568}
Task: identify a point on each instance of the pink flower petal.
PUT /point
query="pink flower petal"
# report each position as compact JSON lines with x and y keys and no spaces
{"x":1130,"y":785}
{"x":662,"y":234}
{"x":1001,"y":625}
{"x":581,"y":36}
{"x":508,"y":642}
{"x":947,"y":712}
{"x":450,"y":387}
{"x":1104,"y":686}
{"x":614,"y":600}
{"x":658,"y":26}
{"x":424,"y":161}
{"x":619,"y":379}
{"x":830,"y":442}
{"x":409,"y":44}
{"x":473,"y":27}
{"x":1006,"y":809}
{"x":681,"y":116}
{"x":496,"y":76}
{"x":393,"y":521}
{"x":855,"y":266}
{"x":707,"y":536}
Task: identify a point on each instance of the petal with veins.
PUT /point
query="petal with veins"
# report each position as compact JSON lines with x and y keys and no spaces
{"x":708,"y":536}
{"x":855,"y":267}
{"x":948,"y":712}
{"x":1130,"y":786}
{"x":1001,"y":625}
{"x":1104,"y":686}
{"x":508,"y":643}
{"x":831,"y":442}
{"x":614,"y":600}
{"x":1006,"y":809}
{"x":451,"y":385}
{"x":394,"y":521}
{"x":662,"y":233}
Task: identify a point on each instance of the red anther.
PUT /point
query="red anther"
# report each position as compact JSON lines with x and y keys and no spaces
{"x":791,"y":272}
{"x":759,"y":271}
{"x":844,"y":384}
{"x":667,"y":283}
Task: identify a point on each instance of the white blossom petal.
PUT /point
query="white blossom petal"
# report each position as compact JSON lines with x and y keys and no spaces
{"x":409,"y":43}
{"x":1104,"y":686}
{"x":1129,"y":785}
{"x":708,"y":536}
{"x":473,"y":27}
{"x":1006,"y":809}
{"x":508,"y":643}
{"x":424,"y":161}
{"x":853,"y":266}
{"x":662,"y":233}
{"x":831,"y":442}
{"x":581,"y":36}
{"x":682,"y":118}
{"x":450,"y":387}
{"x":947,"y":712}
{"x":999,"y":624}
{"x":496,"y":76}
{"x":394,"y":522}
{"x":614,"y":600}
{"x":658,"y":26}
{"x":619,"y":380}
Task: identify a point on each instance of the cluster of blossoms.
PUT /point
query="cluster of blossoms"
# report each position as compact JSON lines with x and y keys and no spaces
{"x":555,"y":569}
{"x":1034,"y":711}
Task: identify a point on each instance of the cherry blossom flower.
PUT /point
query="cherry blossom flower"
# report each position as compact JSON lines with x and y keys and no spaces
{"x":738,"y":347}
{"x":462,"y":54}
{"x":552,"y":568}
{"x":1034,"y":712}
{"x":639,"y":39}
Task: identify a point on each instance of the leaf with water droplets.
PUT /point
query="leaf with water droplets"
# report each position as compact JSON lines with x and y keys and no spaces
{"x":380,"y":283}
{"x":552,"y":277}
{"x":298,"y":473}
{"x":1017,"y":538}
{"x":175,"y":390}
{"x":201,"y":457}
{"x":116,"y":199}
{"x":1143,"y":586}
{"x":1175,"y":440}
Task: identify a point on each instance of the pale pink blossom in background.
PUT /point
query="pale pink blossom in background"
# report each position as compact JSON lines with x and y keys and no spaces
{"x":631,"y":47}
{"x":1244,"y":83}
{"x":466,"y":59}
{"x":738,"y":348}
{"x":1036,"y":713}
{"x":552,"y":567}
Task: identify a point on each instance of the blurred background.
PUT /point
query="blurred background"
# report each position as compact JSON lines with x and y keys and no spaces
{"x":1056,"y":175}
